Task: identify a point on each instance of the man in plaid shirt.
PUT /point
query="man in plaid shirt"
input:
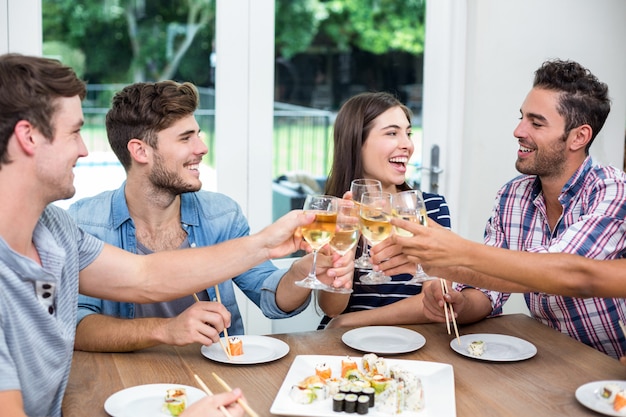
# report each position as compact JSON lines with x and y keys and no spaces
{"x":562,"y":202}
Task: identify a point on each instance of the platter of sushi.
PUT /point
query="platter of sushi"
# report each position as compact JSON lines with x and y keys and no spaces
{"x":328,"y":386}
{"x":604,"y":397}
{"x":251,"y":349}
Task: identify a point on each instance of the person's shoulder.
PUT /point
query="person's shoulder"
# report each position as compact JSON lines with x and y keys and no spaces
{"x":86,"y":205}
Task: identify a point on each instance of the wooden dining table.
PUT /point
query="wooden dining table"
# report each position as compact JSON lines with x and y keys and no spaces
{"x":543,"y":385}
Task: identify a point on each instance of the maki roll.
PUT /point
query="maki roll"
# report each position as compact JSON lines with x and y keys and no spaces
{"x":476,"y":348}
{"x":175,"y":401}
{"x":235,"y":345}
{"x":620,"y":402}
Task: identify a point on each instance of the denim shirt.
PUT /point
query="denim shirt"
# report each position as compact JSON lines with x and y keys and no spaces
{"x":208,"y":218}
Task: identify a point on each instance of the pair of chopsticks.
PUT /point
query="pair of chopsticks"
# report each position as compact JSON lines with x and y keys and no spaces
{"x":225,"y":347}
{"x":446,"y":306}
{"x":223,"y":383}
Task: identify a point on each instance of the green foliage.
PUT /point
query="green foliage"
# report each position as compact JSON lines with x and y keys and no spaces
{"x":69,"y":56}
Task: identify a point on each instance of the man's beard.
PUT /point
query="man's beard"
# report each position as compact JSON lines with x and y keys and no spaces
{"x":161,"y":178}
{"x":548,"y":162}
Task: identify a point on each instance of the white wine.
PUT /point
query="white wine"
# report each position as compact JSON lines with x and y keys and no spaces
{"x":376,"y":228}
{"x":321,"y":231}
{"x":410,"y":216}
{"x":344,"y":240}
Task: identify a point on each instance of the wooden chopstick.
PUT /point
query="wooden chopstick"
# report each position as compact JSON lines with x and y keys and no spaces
{"x":242,"y":403}
{"x":623,"y":327}
{"x":456,"y":329}
{"x":208,"y":392}
{"x":226,"y":350}
{"x":445,"y":304}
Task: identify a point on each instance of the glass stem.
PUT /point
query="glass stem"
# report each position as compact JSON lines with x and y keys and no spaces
{"x":313,"y":267}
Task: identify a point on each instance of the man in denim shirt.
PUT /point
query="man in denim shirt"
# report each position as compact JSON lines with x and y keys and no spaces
{"x":153,"y":132}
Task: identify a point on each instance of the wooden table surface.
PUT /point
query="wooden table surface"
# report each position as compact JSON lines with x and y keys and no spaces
{"x":541,"y":386}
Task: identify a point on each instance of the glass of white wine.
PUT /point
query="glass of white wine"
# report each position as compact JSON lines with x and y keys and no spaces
{"x":409,"y":205}
{"x":375,"y":214}
{"x":359,"y":187}
{"x":318,"y":234}
{"x":347,"y":232}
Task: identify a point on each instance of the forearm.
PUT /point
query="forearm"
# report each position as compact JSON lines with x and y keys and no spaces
{"x":474,"y":276}
{"x":406,"y":311}
{"x":332,"y":304}
{"x":100,"y":333}
{"x":12,"y":403}
{"x":166,"y":275}
{"x":289,"y":296}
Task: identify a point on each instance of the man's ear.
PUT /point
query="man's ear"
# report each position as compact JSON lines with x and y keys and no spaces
{"x":139,"y":150}
{"x":24,"y":133}
{"x":582,"y":136}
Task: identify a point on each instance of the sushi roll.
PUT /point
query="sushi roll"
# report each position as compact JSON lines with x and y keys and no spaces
{"x":362,"y":404}
{"x":379,"y":383}
{"x":235,"y":345}
{"x":476,"y":348}
{"x":620,"y":401}
{"x":302,"y":395}
{"x":369,"y":363}
{"x":349,"y":405}
{"x":348,"y":364}
{"x":175,"y":401}
{"x":323,"y":371}
{"x":338,"y":401}
{"x":608,"y":392}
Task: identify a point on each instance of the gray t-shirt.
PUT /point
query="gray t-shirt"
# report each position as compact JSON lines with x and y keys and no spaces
{"x":38,"y":311}
{"x":169,"y":308}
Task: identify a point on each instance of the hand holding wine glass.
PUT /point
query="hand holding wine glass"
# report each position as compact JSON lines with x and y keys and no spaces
{"x":375,"y":211}
{"x":409,"y":205}
{"x":359,"y":187}
{"x":319,"y":233}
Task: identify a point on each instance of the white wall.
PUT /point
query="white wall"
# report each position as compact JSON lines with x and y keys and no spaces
{"x":20,"y":26}
{"x":478,"y":71}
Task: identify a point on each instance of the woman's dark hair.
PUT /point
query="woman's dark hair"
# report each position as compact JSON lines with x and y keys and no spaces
{"x":352,"y":126}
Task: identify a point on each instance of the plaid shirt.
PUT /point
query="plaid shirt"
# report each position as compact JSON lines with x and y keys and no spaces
{"x":592,"y":225}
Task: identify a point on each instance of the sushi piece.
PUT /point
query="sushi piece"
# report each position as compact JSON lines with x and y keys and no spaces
{"x":347,"y":365}
{"x":302,"y":395}
{"x":373,"y":365}
{"x":608,"y":392}
{"x":323,"y":371}
{"x":235,"y":346}
{"x":175,"y":401}
{"x":620,"y":401}
{"x":476,"y":348}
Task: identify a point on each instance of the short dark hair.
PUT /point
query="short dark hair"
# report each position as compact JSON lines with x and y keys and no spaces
{"x":583,"y":98}
{"x":142,"y":110}
{"x":29,"y":89}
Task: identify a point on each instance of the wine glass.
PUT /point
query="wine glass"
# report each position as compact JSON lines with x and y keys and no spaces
{"x":318,"y":234}
{"x":409,"y":205}
{"x":375,"y":213}
{"x":347,"y":232}
{"x":358,"y":187}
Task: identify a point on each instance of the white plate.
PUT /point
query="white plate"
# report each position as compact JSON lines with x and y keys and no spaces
{"x":498,"y":347}
{"x":383,"y":339}
{"x":145,"y":400}
{"x":256,"y":349}
{"x":589,"y":396}
{"x":437,"y":381}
